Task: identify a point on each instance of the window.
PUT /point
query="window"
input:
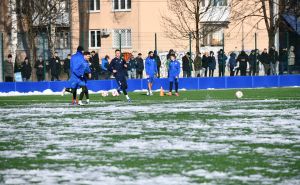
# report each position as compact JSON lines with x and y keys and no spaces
{"x":63,"y":40}
{"x":219,"y":2}
{"x":95,"y":39}
{"x":94,"y":5}
{"x":214,"y":39}
{"x":125,"y":38}
{"x":120,"y":5}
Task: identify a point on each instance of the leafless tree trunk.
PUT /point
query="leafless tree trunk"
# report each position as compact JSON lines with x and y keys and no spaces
{"x":188,"y":17}
{"x":14,"y":29}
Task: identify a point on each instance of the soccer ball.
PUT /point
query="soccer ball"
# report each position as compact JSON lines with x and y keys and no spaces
{"x":115,"y":93}
{"x":104,"y":93}
{"x":239,"y":94}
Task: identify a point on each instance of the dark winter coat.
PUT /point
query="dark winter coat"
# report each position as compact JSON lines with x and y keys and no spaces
{"x":55,"y":66}
{"x":212,"y":62}
{"x":140,"y":65}
{"x":39,"y":70}
{"x":264,"y":58}
{"x":26,"y":70}
{"x":273,"y":55}
{"x":132,"y":64}
{"x":95,"y":65}
{"x":66,"y":65}
{"x":186,"y":64}
{"x":222,"y":59}
{"x":243,"y":59}
{"x":204,"y":61}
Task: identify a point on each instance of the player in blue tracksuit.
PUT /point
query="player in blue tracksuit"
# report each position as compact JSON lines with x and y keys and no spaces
{"x":151,"y":71}
{"x":77,"y":73}
{"x":118,"y":67}
{"x":87,"y":75}
{"x":174,"y":71}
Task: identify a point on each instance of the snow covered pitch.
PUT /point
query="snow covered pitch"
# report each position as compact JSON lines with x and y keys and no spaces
{"x":201,"y":137}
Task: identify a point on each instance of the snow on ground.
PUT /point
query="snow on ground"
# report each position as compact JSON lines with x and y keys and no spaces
{"x":212,"y":142}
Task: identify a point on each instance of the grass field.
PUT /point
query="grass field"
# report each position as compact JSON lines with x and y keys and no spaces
{"x":201,"y":137}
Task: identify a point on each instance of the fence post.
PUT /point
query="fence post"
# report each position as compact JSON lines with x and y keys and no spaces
{"x":155,"y":40}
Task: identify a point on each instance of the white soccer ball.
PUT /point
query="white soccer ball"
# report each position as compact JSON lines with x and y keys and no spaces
{"x":239,"y":94}
{"x":104,"y":93}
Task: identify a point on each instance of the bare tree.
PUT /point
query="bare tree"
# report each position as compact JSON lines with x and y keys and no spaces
{"x":41,"y":16}
{"x":14,"y":29}
{"x":268,"y":11}
{"x":189,"y":17}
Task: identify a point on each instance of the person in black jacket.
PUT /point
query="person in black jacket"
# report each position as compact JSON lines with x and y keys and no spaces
{"x":158,"y":63}
{"x":26,"y":70}
{"x":205,"y":63}
{"x":139,"y":66}
{"x":118,"y":67}
{"x":243,"y":60}
{"x":95,"y":66}
{"x":67,"y":65}
{"x":265,"y":60}
{"x":211,"y":63}
{"x":253,"y":62}
{"x":222,"y":62}
{"x":131,"y":69}
{"x":273,"y":55}
{"x":39,"y":67}
{"x":283,"y":60}
{"x":186,"y":65}
{"x":55,"y":66}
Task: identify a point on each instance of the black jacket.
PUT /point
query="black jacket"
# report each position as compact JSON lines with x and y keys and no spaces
{"x":118,"y":65}
{"x":26,"y":70}
{"x":132,"y":64}
{"x":66,"y":65}
{"x":283,"y":56}
{"x":243,"y":59}
{"x":186,"y":66}
{"x":140,"y":65}
{"x":95,"y":65}
{"x":273,"y":55}
{"x":264,"y":58}
{"x":39,"y":70}
{"x":204,"y":61}
{"x":55,"y":66}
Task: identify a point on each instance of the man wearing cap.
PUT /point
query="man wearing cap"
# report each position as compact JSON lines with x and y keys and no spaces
{"x":151,"y":71}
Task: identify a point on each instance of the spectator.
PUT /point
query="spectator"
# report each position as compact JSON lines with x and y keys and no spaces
{"x":9,"y":69}
{"x":283,"y":57}
{"x":187,"y":65}
{"x":158,"y":63}
{"x":39,"y":67}
{"x":55,"y":66}
{"x":171,"y":51}
{"x":291,"y":59}
{"x":232,"y":63}
{"x":222,"y":62}
{"x":243,"y":60}
{"x":273,"y":55}
{"x":205,"y":63}
{"x":131,"y":69}
{"x":67,"y":65}
{"x":265,"y":60}
{"x":26,"y":70}
{"x":17,"y":67}
{"x":139,"y":66}
{"x":236,"y":54}
{"x":95,"y":66}
{"x":198,"y":66}
{"x":253,"y":63}
{"x":105,"y":73}
{"x":211,"y":63}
